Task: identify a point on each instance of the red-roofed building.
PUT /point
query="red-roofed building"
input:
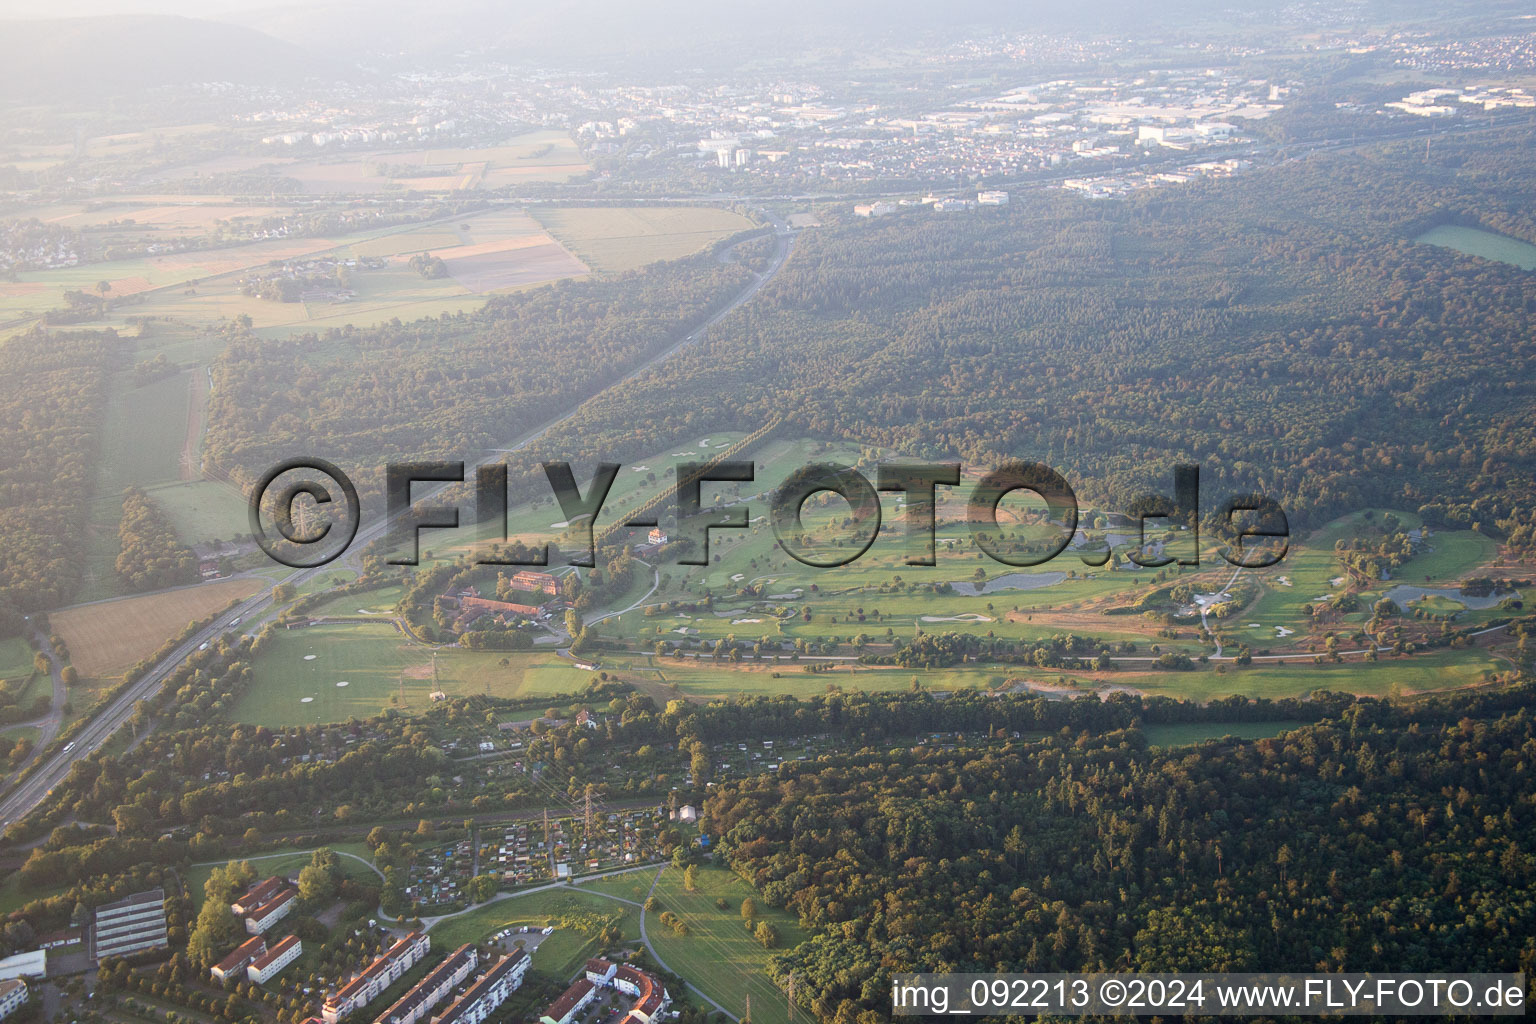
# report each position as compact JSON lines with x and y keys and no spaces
{"x":279,"y":956}
{"x":262,"y":892}
{"x":650,"y":994}
{"x":538,"y":582}
{"x":270,"y":912}
{"x":237,"y":961}
{"x":570,"y":1003}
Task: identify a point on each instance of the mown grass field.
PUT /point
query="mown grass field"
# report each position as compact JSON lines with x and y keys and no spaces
{"x":377,"y":663}
{"x":631,"y":885}
{"x":612,"y":239}
{"x":1311,"y":571}
{"x":145,"y":431}
{"x":720,"y":955}
{"x":204,"y":510}
{"x":107,"y":637}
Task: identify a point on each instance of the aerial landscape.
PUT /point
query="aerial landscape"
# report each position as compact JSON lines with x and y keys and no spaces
{"x":597,"y":513}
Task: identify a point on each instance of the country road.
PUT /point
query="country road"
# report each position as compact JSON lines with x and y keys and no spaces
{"x":31,"y":791}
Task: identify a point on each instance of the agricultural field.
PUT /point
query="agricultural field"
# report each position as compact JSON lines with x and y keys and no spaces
{"x":40,"y":290}
{"x":332,"y":672}
{"x":505,"y":250}
{"x":40,"y":157}
{"x":491,"y":251}
{"x":109,"y":636}
{"x":719,"y":954}
{"x":614,"y":239}
{"x":530,"y":158}
{"x":134,"y":222}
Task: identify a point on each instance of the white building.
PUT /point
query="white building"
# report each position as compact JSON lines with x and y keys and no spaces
{"x":489,"y":991}
{"x":376,"y":977}
{"x":13,"y":993}
{"x":416,"y":1005}
{"x":270,"y":912}
{"x":996,"y":197}
{"x":278,"y":957}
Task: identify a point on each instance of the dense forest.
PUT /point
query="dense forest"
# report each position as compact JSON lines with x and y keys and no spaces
{"x":151,"y":556}
{"x":52,"y":394}
{"x":1281,"y":329}
{"x":1387,"y":838}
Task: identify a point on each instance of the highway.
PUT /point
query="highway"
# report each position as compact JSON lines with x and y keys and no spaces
{"x":31,"y":791}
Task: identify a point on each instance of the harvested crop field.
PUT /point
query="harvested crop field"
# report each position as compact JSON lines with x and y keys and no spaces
{"x":107,"y":637}
{"x":508,"y":264}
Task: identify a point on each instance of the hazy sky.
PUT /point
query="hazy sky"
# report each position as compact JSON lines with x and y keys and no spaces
{"x":80,"y":8}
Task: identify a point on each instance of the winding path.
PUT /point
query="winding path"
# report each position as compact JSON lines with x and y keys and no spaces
{"x":290,"y":853}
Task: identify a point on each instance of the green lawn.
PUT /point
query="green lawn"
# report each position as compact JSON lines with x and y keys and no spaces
{"x":631,"y":885}
{"x":15,"y":658}
{"x":719,"y":955}
{"x":561,"y":952}
{"x":14,"y":895}
{"x":381,"y":601}
{"x":285,"y":863}
{"x":1451,"y":555}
